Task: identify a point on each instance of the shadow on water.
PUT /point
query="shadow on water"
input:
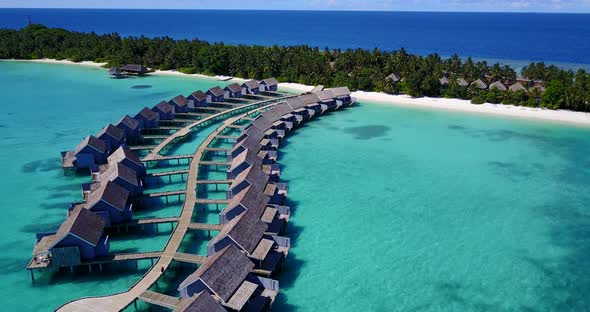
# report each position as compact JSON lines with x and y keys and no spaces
{"x":293,"y":265}
{"x":367,"y":132}
{"x":43,"y":165}
{"x":141,"y":86}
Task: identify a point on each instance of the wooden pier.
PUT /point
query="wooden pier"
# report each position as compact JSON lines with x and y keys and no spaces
{"x":189,"y":258}
{"x":160,"y":300}
{"x":122,"y":300}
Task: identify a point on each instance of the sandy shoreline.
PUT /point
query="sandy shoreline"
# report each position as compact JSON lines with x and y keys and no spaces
{"x":559,"y":116}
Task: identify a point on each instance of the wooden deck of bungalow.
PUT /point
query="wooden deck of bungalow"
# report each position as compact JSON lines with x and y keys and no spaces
{"x":170,"y":253}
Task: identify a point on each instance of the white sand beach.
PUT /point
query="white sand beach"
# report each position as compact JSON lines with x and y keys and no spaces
{"x":560,"y":116}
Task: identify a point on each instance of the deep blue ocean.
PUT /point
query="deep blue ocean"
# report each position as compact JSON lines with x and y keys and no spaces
{"x":512,"y":38}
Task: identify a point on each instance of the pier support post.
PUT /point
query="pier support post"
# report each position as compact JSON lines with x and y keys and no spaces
{"x":100,"y":267}
{"x":90,"y":268}
{"x":32,"y":275}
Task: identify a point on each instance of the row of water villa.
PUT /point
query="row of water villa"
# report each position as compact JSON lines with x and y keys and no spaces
{"x":251,"y":242}
{"x":521,"y":84}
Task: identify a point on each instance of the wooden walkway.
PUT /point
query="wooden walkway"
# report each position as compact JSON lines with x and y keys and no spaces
{"x":154,"y":153}
{"x":214,"y":163}
{"x":189,"y":258}
{"x":205,"y":227}
{"x":164,"y":194}
{"x":167,"y":173}
{"x":122,"y":300}
{"x":208,"y":201}
{"x":159,"y":299}
{"x":217,"y":149}
{"x":147,"y":221}
{"x":204,"y":182}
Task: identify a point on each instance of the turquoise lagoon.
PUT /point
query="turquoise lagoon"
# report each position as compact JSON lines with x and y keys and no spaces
{"x":395,"y":209}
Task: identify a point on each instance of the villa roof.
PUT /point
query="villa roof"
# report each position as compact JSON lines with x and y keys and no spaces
{"x":269,"y":82}
{"x":517,"y":87}
{"x":117,"y":169}
{"x":234,"y":87}
{"x":199,"y":95}
{"x":164,"y":107}
{"x":340,"y":91}
{"x":262,"y":123}
{"x":179,"y":100}
{"x":124,"y":153}
{"x":462,"y":82}
{"x":479,"y":84}
{"x":394,"y":77}
{"x":444,"y":81}
{"x":246,"y":230}
{"x":129,"y":122}
{"x":216,"y":91}
{"x":311,"y":98}
{"x":111,"y":193}
{"x":147,"y":114}
{"x":247,"y":156}
{"x":326,"y":95}
{"x":223,"y":273}
{"x":135,"y":68}
{"x":82,"y":223}
{"x":112,"y":131}
{"x":251,"y":84}
{"x":498,"y":86}
{"x":203,"y":302}
{"x":277,"y":112}
{"x":93,"y":142}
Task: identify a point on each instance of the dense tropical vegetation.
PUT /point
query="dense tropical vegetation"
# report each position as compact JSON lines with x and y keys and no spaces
{"x":357,"y":69}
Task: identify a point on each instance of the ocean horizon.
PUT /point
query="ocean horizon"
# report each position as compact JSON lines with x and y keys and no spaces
{"x":511,"y":38}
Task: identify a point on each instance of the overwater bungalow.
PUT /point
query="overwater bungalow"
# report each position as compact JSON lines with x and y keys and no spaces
{"x":129,"y":159}
{"x":110,"y":201}
{"x":116,"y":73}
{"x":233,"y":91}
{"x":276,"y":115}
{"x":243,"y":161}
{"x":250,"y":143}
{"x":326,"y":102}
{"x":269,"y":144}
{"x":164,"y":110}
{"x":274,"y":134}
{"x":227,"y":277}
{"x":249,"y":132}
{"x":251,"y":87}
{"x":462,"y":82}
{"x":249,"y":199}
{"x":479,"y":84}
{"x":130,"y":127}
{"x":203,"y":301}
{"x":121,"y":175}
{"x":497,"y":86}
{"x":252,"y":176}
{"x":269,"y":84}
{"x":215,"y":95}
{"x":147,"y":118}
{"x":90,"y":152}
{"x":112,"y":136}
{"x":247,"y":232}
{"x":198,"y":98}
{"x":80,"y":238}
{"x":134,"y":69}
{"x":342,"y":96}
{"x":517,"y":87}
{"x":180,"y":103}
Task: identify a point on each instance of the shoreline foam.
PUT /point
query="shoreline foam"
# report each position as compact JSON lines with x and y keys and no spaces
{"x":521,"y":112}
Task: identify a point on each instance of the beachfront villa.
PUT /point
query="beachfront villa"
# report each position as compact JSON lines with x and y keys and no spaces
{"x":269,"y":84}
{"x":227,"y":277}
{"x":498,"y":86}
{"x":79,"y":238}
{"x":444,"y":81}
{"x":112,"y":136}
{"x":394,"y":78}
{"x":233,"y":91}
{"x":130,"y":127}
{"x":91,"y":151}
{"x":110,"y":201}
{"x":147,"y":118}
{"x":129,"y":159}
{"x":198,"y":98}
{"x":251,"y":87}
{"x":180,"y":104}
{"x":462,"y":82}
{"x":479,"y":84}
{"x":164,"y":110}
{"x":517,"y":87}
{"x":215,"y":95}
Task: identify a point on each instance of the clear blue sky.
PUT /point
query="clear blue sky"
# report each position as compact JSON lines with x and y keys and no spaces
{"x":576,"y":6}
